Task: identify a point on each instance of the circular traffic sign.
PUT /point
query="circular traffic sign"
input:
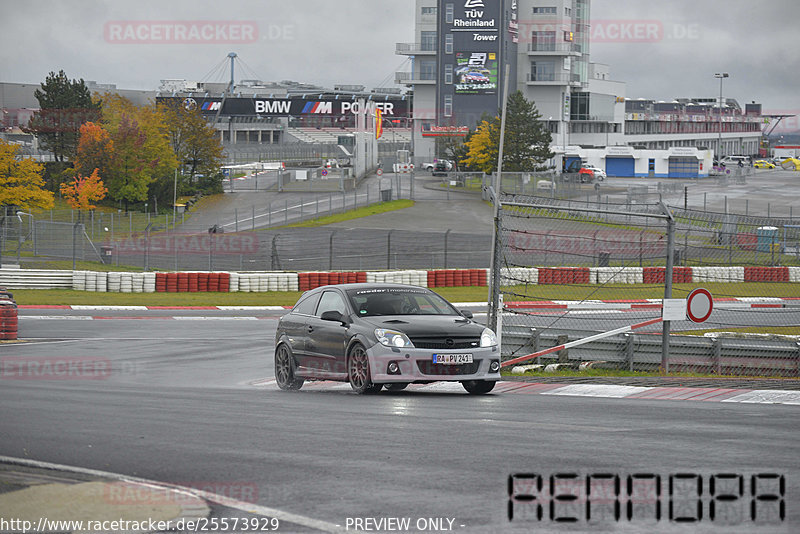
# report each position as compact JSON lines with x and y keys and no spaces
{"x":324,"y":172}
{"x":699,"y":305}
{"x":380,"y":172}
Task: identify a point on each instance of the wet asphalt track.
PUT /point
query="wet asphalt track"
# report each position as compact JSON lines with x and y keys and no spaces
{"x":178,"y":404}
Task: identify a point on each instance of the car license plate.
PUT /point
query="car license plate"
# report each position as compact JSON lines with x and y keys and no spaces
{"x":452,"y":359}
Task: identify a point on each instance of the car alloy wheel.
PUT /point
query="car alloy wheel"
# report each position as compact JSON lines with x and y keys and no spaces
{"x":358,"y":371}
{"x":284,"y":370}
{"x":478,"y":387}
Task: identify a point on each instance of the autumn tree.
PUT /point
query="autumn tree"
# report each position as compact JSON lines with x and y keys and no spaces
{"x":483,"y":146}
{"x":95,"y":150}
{"x":196,"y":146}
{"x":195,"y":142}
{"x":141,"y":152}
{"x":64,"y":105}
{"x":21,"y":183}
{"x":526,"y":145}
{"x":83,"y":191}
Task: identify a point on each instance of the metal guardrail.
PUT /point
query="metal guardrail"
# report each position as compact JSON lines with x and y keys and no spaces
{"x":35,"y":279}
{"x":642,"y":352}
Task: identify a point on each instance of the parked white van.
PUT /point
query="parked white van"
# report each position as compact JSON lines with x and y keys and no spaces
{"x":734,"y":160}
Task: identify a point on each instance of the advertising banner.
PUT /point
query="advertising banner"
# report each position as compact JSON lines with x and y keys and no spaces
{"x":476,"y":73}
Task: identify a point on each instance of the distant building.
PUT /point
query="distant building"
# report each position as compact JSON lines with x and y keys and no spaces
{"x":457,"y":74}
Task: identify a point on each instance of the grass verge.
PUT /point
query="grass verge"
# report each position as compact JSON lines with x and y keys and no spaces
{"x":375,"y":209}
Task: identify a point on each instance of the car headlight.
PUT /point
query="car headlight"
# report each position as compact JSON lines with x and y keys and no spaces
{"x":392,"y":338}
{"x":488,"y":338}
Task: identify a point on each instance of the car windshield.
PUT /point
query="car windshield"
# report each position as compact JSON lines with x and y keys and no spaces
{"x":372,"y":302}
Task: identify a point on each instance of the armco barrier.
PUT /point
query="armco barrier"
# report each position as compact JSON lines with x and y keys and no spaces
{"x":35,"y":279}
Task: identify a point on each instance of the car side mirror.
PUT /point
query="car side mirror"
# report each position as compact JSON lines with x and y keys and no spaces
{"x":466,"y":313}
{"x":334,"y":316}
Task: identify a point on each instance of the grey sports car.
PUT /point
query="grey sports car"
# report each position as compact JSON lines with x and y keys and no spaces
{"x":383,"y":335}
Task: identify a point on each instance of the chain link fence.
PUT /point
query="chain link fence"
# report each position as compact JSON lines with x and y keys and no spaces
{"x":600,"y":249}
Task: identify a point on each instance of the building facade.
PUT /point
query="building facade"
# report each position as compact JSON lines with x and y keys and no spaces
{"x":457,"y":65}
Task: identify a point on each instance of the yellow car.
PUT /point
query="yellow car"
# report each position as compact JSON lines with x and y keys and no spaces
{"x":763,"y":164}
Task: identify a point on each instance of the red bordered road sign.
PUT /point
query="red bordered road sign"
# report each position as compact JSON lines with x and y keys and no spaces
{"x":699,"y":305}
{"x":380,"y":172}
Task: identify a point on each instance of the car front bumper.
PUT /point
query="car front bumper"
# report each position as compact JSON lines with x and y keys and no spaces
{"x":416,"y":365}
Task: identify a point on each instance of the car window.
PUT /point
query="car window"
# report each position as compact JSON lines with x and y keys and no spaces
{"x":306,"y":305}
{"x":399,"y":301}
{"x":331,"y":301}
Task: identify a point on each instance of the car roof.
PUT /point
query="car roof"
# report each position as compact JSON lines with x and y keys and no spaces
{"x":367,"y":285}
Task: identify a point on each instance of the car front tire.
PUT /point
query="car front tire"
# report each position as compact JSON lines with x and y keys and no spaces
{"x":284,"y":370}
{"x":358,"y":371}
{"x":478,"y":387}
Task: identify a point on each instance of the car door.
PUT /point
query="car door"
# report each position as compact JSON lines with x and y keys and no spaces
{"x":294,"y":327}
{"x":327,"y":340}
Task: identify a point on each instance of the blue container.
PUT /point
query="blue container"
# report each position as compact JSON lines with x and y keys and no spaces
{"x":767,"y":238}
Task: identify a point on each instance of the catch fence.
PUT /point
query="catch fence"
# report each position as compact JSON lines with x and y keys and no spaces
{"x":607,"y":256}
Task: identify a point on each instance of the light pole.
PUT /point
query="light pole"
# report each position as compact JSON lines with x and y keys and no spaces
{"x":721,"y":76}
{"x":31,"y":231}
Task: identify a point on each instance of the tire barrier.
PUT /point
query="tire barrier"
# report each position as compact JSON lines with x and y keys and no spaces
{"x":766,"y":274}
{"x":565,"y":275}
{"x":417,"y":278}
{"x":457,"y":278}
{"x":149,"y":282}
{"x":519,"y":276}
{"x":717,"y":274}
{"x":657,"y":275}
{"x":9,"y":321}
{"x":114,"y":282}
{"x":185,"y":282}
{"x":311,"y":280}
{"x":263,"y":282}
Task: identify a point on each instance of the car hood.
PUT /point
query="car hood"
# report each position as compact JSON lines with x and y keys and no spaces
{"x":426,"y":325}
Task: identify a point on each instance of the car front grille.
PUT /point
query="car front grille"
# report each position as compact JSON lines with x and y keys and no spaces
{"x":445,"y":343}
{"x":429,"y":368}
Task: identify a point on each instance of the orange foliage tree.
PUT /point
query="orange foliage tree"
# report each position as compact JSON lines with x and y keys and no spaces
{"x":95,"y":150}
{"x":83,"y":191}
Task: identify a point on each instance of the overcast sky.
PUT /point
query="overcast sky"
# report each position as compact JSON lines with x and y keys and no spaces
{"x":353,"y":42}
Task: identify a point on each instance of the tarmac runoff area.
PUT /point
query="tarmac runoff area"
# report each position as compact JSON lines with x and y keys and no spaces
{"x":44,"y":497}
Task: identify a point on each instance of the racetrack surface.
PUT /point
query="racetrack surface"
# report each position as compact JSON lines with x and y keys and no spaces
{"x":187,"y":401}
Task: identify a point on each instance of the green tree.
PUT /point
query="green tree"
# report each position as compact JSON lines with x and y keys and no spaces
{"x":21,"y":183}
{"x":64,"y":105}
{"x":130,"y":169}
{"x":527,"y":140}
